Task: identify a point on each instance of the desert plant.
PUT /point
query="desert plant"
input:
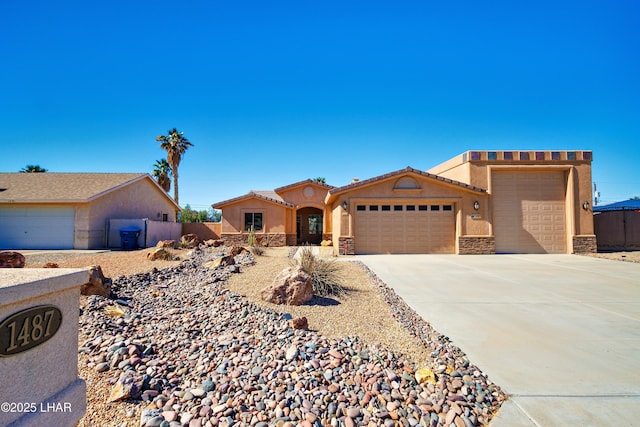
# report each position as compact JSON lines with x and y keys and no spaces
{"x":254,"y":246}
{"x":326,"y":275}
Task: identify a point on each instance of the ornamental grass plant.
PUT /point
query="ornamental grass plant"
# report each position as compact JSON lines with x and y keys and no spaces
{"x":326,"y":275}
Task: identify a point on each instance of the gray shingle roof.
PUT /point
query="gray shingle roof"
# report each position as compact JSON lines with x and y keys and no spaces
{"x":52,"y":187}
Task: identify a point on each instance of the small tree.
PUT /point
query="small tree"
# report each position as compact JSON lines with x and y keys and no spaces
{"x":32,"y":169}
{"x":320,"y":180}
{"x":162,"y":174}
{"x":190,"y":215}
{"x":215,"y":215}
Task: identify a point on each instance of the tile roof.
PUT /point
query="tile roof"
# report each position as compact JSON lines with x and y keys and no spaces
{"x":306,"y":181}
{"x":267,"y":195}
{"x":408,"y":169}
{"x":52,"y":187}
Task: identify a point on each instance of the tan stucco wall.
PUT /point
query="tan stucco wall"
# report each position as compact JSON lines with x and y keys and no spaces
{"x":430,"y":189}
{"x":275,"y":217}
{"x":578,"y":174}
{"x":141,"y":199}
{"x":305,"y":195}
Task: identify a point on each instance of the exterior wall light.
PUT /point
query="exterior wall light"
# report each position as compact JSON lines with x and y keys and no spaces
{"x":344,"y":205}
{"x":476,"y":205}
{"x":586,"y":205}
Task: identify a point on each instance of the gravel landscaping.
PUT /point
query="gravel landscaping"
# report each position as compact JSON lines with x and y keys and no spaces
{"x":189,"y":345}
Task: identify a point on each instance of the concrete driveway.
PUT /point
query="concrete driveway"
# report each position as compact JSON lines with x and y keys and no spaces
{"x":559,"y":333}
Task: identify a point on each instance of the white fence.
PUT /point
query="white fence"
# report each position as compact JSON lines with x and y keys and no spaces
{"x":151,"y":232}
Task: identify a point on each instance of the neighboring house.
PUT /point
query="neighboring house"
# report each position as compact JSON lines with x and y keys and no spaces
{"x":479,"y":202}
{"x":617,"y":225}
{"x":72,"y":210}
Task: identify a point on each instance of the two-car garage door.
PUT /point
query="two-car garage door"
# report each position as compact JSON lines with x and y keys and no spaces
{"x":402,"y":228}
{"x":37,"y":228}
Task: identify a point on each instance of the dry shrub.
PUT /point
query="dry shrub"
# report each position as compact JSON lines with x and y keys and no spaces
{"x":326,"y":275}
{"x":255,"y":246}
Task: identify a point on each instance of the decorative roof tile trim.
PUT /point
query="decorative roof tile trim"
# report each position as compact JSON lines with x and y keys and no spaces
{"x":408,"y":169}
{"x":268,"y":193}
{"x":251,"y":194}
{"x":306,"y":181}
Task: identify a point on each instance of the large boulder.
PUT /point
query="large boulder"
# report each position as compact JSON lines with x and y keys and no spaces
{"x":223,"y":261}
{"x":189,"y":241}
{"x":236,"y":250}
{"x":166,"y":244}
{"x":159,"y":253}
{"x":292,"y":287}
{"x":10,"y":259}
{"x":97,"y":283}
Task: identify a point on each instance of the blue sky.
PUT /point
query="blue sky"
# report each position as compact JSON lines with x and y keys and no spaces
{"x":275,"y":92}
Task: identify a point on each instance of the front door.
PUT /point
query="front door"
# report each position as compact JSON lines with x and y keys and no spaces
{"x":309,"y":226}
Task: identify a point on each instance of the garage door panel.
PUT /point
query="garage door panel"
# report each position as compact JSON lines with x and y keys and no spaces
{"x":37,"y":228}
{"x":529,"y":212}
{"x":406,"y":228}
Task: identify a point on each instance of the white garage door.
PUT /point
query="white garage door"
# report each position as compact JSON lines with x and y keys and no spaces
{"x":36,"y":228}
{"x":404,"y":228}
{"x":529,"y":212}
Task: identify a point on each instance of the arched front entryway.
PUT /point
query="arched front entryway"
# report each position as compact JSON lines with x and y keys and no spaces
{"x":309,"y":226}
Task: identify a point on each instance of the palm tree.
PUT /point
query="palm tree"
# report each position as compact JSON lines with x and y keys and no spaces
{"x":176,"y":144}
{"x":32,"y":169}
{"x":162,"y":174}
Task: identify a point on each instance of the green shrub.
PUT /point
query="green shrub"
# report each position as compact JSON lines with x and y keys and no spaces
{"x":326,"y":275}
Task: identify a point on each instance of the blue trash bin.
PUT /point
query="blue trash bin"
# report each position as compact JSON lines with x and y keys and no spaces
{"x":129,"y":238}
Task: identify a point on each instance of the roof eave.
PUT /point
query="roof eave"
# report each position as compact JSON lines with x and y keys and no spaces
{"x":334,"y":193}
{"x":301,"y":183}
{"x":251,"y":195}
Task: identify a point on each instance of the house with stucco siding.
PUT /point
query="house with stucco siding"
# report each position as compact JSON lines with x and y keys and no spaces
{"x":73,"y":210}
{"x":479,"y":202}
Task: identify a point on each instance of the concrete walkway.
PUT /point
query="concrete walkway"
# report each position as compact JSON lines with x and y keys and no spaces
{"x":559,"y":333}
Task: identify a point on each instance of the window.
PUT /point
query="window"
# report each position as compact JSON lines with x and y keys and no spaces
{"x":386,"y":207}
{"x":422,"y":207}
{"x":361,"y":208}
{"x":373,"y":207}
{"x":165,"y":217}
{"x":253,"y":220}
{"x":411,"y":207}
{"x":435,"y":207}
{"x":315,"y":224}
{"x":397,"y":207}
{"x":447,"y":208}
